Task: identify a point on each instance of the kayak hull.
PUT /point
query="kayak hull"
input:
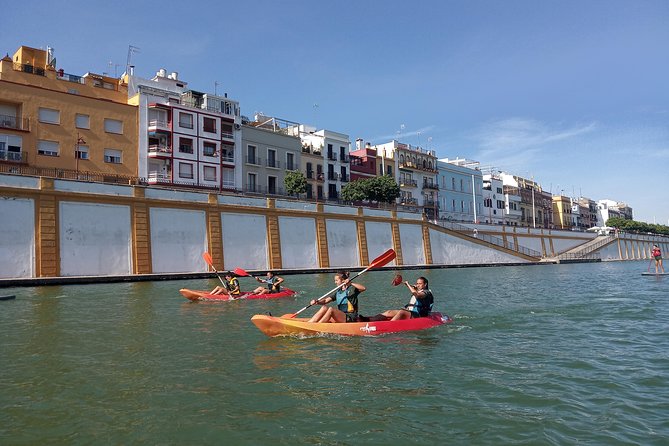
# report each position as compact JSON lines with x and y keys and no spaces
{"x":655,"y":274}
{"x":199,"y":295}
{"x":286,"y":326}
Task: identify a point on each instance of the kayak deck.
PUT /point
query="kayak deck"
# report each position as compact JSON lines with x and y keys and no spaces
{"x":201,"y":295}
{"x":655,"y":274}
{"x":282,"y":326}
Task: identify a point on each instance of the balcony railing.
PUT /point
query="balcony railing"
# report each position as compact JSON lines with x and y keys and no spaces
{"x":27,"y":68}
{"x":16,"y":157}
{"x":409,"y":201}
{"x":428,"y":185}
{"x":344,"y":158}
{"x":333,"y":176}
{"x":253,"y":160}
{"x":332,"y":156}
{"x":273,"y":163}
{"x":344,"y":178}
{"x":408,"y":182}
{"x":158,"y":123}
{"x":227,"y":135}
{"x":13,"y":122}
{"x":157,"y":150}
{"x":228,"y":158}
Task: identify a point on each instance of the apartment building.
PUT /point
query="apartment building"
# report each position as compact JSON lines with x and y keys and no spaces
{"x":363,"y":161}
{"x":494,"y":203}
{"x":64,"y":125}
{"x":186,"y":137}
{"x":328,"y":153}
{"x":460,"y":190}
{"x":272,"y":146}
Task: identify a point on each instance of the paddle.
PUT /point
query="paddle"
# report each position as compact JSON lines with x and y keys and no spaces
{"x":241,"y":273}
{"x":397,"y":280}
{"x":381,"y":260}
{"x":207,"y":258}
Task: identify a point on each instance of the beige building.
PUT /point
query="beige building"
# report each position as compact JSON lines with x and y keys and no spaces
{"x":69,"y":125}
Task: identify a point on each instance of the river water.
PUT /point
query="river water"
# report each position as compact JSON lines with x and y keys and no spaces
{"x":549,"y":354}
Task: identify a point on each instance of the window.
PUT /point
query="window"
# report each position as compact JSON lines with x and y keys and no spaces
{"x":453,"y":185}
{"x":209,"y":173}
{"x":185,"y":145}
{"x":251,"y":154}
{"x":271,"y":185}
{"x":462,"y":187}
{"x":290,"y":161}
{"x":47,"y":148}
{"x":209,"y":148}
{"x":209,"y":125}
{"x":113,"y":156}
{"x":185,"y":170}
{"x":252,"y":184}
{"x":271,"y":158}
{"x":113,"y":126}
{"x":81,"y":153}
{"x":186,"y":120}
{"x":82,"y":121}
{"x":49,"y":116}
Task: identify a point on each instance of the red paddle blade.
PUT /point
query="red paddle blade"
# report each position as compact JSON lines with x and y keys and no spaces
{"x":397,"y":280}
{"x":207,"y":258}
{"x":240,"y":272}
{"x":383,"y":259}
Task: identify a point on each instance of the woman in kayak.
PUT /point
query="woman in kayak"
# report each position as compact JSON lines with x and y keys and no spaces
{"x":231,"y":286}
{"x":657,"y":255}
{"x":419,"y":305}
{"x":346,"y":298}
{"x":273,"y":284}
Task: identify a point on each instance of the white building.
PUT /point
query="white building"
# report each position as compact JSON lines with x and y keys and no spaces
{"x":460,"y":190}
{"x":332,"y":150}
{"x":494,"y":200}
{"x":609,"y":209}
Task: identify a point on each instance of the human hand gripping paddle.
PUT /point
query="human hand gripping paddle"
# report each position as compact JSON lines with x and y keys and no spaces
{"x":207,"y":258}
{"x":381,"y":260}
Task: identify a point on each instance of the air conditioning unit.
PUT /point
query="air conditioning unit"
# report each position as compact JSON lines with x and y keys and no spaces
{"x":237,"y":126}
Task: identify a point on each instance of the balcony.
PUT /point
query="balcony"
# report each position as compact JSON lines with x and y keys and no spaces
{"x":344,"y":158}
{"x":155,"y":125}
{"x":408,"y":201}
{"x":12,"y":122}
{"x":407,"y":182}
{"x":253,"y":160}
{"x":333,"y":176}
{"x":13,"y":157}
{"x":428,"y":185}
{"x":227,"y":135}
{"x":344,"y":178}
{"x":273,"y":163}
{"x":159,"y":178}
{"x":332,"y":156}
{"x":159,"y":151}
{"x":229,"y":158}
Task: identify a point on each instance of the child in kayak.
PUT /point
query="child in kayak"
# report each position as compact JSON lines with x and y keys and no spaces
{"x":230,"y":287}
{"x":273,"y":284}
{"x":346,"y":298}
{"x":657,"y":255}
{"x":419,"y":305}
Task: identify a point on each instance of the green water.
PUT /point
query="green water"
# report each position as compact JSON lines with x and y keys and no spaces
{"x":556,"y":354}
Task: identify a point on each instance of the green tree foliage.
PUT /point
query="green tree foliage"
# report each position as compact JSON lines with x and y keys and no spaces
{"x":382,"y":189}
{"x":636,"y":226}
{"x":295,"y":182}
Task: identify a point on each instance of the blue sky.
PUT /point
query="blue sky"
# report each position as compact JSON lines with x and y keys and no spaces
{"x":573,"y":93}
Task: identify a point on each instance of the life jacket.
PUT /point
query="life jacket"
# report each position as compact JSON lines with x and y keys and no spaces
{"x":232,"y":284}
{"x":657,"y":252}
{"x":347,"y":300}
{"x":421,"y":307}
{"x":271,"y":286}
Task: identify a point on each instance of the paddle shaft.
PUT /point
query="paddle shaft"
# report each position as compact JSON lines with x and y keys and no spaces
{"x":207,"y":258}
{"x":379,"y":261}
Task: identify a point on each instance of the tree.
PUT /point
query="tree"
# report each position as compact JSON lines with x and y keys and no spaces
{"x":383,"y":189}
{"x":295,"y":182}
{"x":354,"y":191}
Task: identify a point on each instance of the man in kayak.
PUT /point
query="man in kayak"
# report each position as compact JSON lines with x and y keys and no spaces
{"x":346,"y":298}
{"x":657,"y":255}
{"x":273,"y":284}
{"x":231,"y":286}
{"x":419,"y":305}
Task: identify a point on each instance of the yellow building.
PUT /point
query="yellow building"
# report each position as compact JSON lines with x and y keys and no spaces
{"x":58,"y":124}
{"x":562,"y":212}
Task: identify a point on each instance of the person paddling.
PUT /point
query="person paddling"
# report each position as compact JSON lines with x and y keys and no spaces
{"x":346,"y":299}
{"x":657,"y":255}
{"x":273,"y":284}
{"x":231,"y":286}
{"x":420,"y":303}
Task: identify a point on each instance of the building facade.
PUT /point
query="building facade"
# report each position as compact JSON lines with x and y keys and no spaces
{"x":460,"y":190}
{"x":331,"y":151}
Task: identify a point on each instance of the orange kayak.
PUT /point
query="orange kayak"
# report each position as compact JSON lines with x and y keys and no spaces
{"x":204,"y":295}
{"x":281,"y":326}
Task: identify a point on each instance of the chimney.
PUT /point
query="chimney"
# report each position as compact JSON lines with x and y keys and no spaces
{"x":358,"y":144}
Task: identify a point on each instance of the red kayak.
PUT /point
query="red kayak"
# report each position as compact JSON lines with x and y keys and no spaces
{"x":282,"y":326}
{"x":196,"y":295}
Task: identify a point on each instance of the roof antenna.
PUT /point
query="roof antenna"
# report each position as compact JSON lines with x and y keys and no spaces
{"x":131,"y":49}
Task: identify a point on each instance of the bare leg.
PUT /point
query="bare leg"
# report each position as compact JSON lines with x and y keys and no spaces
{"x":319,"y":314}
{"x":401,"y":314}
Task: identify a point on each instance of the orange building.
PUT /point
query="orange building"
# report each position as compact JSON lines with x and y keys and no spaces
{"x":73,"y":125}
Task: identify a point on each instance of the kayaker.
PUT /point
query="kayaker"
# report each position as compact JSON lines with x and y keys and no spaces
{"x":346,"y":298}
{"x":231,"y":286}
{"x":273,"y":284}
{"x":657,"y":255}
{"x":419,"y":305}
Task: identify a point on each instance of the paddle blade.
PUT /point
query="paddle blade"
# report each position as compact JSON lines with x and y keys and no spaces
{"x":240,"y":272}
{"x":207,"y":258}
{"x":397,"y":280}
{"x":383,"y":259}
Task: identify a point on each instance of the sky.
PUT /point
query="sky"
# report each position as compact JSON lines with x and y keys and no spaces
{"x":573,"y":94}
